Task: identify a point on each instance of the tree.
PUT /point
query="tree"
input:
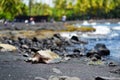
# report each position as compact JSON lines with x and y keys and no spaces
{"x":40,"y":9}
{"x":109,"y":5}
{"x":11,"y":8}
{"x":82,"y":6}
{"x":87,"y":8}
{"x":59,"y":8}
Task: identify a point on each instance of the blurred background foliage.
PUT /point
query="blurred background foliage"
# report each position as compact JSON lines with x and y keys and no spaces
{"x":73,"y":9}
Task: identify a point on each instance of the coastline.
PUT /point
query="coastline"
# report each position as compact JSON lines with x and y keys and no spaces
{"x":13,"y":66}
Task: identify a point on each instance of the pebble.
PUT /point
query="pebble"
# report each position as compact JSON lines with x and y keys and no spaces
{"x":26,"y":55}
{"x":40,"y":78}
{"x":9,"y":75}
{"x":112,"y":64}
{"x":117,"y":71}
{"x":55,"y":70}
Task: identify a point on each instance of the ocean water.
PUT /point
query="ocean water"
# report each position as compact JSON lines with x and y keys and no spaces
{"x":107,"y":33}
{"x":110,"y":37}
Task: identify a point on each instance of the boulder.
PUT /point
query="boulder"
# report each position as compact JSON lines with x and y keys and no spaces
{"x":103,"y":52}
{"x":73,"y":55}
{"x":98,"y":57}
{"x":74,"y":38}
{"x":76,"y":51}
{"x":91,"y":52}
{"x":58,"y":40}
{"x":102,"y":49}
{"x":98,"y":51}
{"x":7,"y":47}
{"x":34,"y":49}
{"x":57,"y":36}
{"x":100,"y":45}
{"x":35,"y":39}
{"x":94,"y":55}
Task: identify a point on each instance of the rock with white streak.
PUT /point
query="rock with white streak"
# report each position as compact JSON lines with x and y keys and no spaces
{"x":7,"y":47}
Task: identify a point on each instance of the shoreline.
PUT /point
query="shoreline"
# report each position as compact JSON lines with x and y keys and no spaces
{"x":13,"y":66}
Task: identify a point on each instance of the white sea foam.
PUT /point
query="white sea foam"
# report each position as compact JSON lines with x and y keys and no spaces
{"x":107,"y":23}
{"x":93,"y":23}
{"x":114,"y":35}
{"x":118,"y":22}
{"x":68,"y":35}
{"x":85,"y":23}
{"x":116,"y":28}
{"x":101,"y":30}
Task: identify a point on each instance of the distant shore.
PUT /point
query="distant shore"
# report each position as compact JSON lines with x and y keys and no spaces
{"x":57,"y":25}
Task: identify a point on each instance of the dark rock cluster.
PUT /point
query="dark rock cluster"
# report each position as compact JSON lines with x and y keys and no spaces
{"x":59,"y":45}
{"x":98,"y":52}
{"x":56,"y":44}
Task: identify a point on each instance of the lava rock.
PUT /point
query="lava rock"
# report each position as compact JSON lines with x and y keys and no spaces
{"x":91,"y":52}
{"x":98,"y":51}
{"x":117,"y":71}
{"x":25,"y":55}
{"x":104,"y":52}
{"x":76,"y":51}
{"x":102,"y":49}
{"x":100,"y":45}
{"x":112,"y":64}
{"x":35,"y":39}
{"x":74,"y":38}
{"x":57,"y":36}
{"x":34,"y":49}
{"x":24,"y":46}
{"x":95,"y":57}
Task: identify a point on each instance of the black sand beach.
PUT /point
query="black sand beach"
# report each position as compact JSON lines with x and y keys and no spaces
{"x":13,"y":66}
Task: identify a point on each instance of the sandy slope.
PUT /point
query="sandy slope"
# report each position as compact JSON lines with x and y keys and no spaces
{"x":13,"y":67}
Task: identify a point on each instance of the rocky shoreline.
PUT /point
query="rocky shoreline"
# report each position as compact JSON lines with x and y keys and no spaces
{"x":76,"y":65}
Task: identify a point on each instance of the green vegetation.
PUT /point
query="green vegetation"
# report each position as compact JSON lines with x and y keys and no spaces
{"x":71,"y":28}
{"x":11,"y":8}
{"x":73,"y":9}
